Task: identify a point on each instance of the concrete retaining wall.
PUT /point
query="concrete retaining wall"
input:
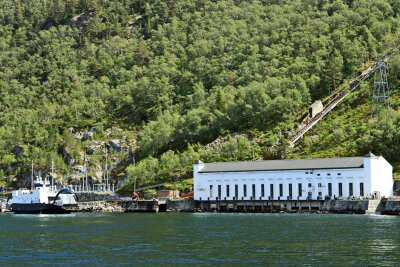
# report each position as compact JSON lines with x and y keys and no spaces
{"x":140,"y":206}
{"x":345,"y":206}
{"x":96,"y":196}
{"x":181,"y":205}
{"x":391,"y":207}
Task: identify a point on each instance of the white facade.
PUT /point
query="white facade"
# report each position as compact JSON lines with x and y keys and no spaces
{"x":372,"y":177}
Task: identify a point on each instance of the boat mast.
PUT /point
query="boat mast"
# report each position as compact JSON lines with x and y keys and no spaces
{"x":32,"y":176}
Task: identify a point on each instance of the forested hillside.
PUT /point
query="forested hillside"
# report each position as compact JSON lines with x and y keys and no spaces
{"x":166,"y":78}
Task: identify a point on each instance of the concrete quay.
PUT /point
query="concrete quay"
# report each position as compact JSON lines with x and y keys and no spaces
{"x":114,"y":203}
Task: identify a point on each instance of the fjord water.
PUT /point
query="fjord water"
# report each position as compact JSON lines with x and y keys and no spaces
{"x":105,"y":239}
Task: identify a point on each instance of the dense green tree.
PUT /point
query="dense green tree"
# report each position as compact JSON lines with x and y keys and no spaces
{"x":174,"y":73}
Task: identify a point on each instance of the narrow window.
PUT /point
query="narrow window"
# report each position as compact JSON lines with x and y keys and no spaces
{"x":227,"y":190}
{"x":262,"y":190}
{"x":361,"y":189}
{"x":244,"y":190}
{"x":219,"y":191}
{"x":319,"y":185}
{"x":300,"y":190}
{"x":281,"y":190}
{"x":350,"y":189}
{"x":290,"y":191}
{"x":211,"y":191}
{"x":271,"y":190}
{"x":253,"y":191}
{"x":340,"y":190}
{"x":236,"y":191}
{"x":330,"y":189}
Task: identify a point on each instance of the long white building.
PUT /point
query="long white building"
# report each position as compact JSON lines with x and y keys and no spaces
{"x":304,"y":179}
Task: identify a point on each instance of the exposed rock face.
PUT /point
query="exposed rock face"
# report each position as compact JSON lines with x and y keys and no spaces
{"x":87,"y":136}
{"x":67,"y":156}
{"x":79,"y":135}
{"x":219,"y":141}
{"x":117,"y":145}
{"x":93,"y":148}
{"x":79,"y":20}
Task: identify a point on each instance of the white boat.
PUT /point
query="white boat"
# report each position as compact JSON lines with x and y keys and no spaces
{"x":43,"y":198}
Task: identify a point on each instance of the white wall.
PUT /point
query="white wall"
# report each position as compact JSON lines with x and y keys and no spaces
{"x":381,"y":175}
{"x":319,"y":180}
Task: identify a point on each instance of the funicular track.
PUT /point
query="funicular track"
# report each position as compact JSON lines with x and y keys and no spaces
{"x":335,"y":99}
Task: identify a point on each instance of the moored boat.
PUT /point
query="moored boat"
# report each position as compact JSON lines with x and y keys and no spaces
{"x":43,"y":198}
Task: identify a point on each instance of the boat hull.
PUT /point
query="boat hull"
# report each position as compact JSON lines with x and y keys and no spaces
{"x":37,"y":208}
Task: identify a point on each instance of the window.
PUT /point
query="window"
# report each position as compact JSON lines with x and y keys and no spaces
{"x":271,"y":190}
{"x":330,"y":189}
{"x":253,"y":190}
{"x":318,"y":174}
{"x":236,"y":191}
{"x":361,"y":189}
{"x":300,"y":190}
{"x":319,"y":185}
{"x":350,"y":189}
{"x":340,"y":189}
{"x":219,"y":191}
{"x":306,"y":172}
{"x":339,"y":174}
{"x":309,"y":185}
{"x":227,"y":190}
{"x":262,"y":190}
{"x":281,"y":190}
{"x":311,"y":172}
{"x":211,"y":191}
{"x":290,"y":191}
{"x":328,"y":174}
{"x":244,"y":190}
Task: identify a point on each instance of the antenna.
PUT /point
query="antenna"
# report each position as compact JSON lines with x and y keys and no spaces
{"x":381,"y":93}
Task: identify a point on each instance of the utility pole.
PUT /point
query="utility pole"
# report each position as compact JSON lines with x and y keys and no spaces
{"x":381,"y":93}
{"x":134,"y":164}
{"x":106,"y":171}
{"x":85,"y":185}
{"x":52,"y":174}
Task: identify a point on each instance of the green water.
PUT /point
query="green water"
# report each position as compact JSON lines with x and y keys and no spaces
{"x":93,"y":239}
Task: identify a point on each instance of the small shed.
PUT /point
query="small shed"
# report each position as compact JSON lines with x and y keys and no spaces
{"x":167,"y":194}
{"x":315,"y":109}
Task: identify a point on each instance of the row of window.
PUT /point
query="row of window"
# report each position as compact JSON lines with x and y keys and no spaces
{"x":328,"y":174}
{"x":290,"y":190}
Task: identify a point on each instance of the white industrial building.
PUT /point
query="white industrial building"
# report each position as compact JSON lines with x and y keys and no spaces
{"x":303,"y":179}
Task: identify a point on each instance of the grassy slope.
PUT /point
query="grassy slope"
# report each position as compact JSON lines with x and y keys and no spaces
{"x":340,"y":131}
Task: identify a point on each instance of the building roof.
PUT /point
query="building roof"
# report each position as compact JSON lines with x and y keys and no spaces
{"x":280,"y":165}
